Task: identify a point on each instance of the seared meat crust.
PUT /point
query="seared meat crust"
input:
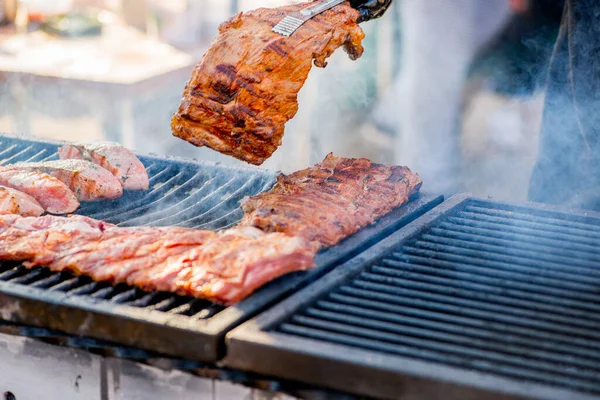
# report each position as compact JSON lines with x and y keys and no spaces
{"x":223,"y":267}
{"x":332,"y":200}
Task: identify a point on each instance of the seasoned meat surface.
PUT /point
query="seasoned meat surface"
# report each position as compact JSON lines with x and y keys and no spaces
{"x":14,"y":202}
{"x":246,"y":86}
{"x":224,"y":267}
{"x":332,"y":200}
{"x":51,"y":193}
{"x":87,"y":180}
{"x":114,"y":157}
{"x":229,"y":266}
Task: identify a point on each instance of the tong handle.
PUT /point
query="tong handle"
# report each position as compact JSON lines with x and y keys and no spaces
{"x":318,"y":8}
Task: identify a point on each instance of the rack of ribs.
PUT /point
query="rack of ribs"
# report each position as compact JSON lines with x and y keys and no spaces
{"x":332,"y":200}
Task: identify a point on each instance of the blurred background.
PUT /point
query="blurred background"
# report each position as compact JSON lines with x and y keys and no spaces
{"x":451,"y":88}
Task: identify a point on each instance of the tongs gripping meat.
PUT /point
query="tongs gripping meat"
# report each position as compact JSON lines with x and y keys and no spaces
{"x":370,"y":9}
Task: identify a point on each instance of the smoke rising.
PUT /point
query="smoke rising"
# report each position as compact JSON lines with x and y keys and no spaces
{"x":570,"y":140}
{"x":422,"y":109}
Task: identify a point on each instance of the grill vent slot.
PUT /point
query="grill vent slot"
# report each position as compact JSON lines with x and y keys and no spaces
{"x":484,"y":288}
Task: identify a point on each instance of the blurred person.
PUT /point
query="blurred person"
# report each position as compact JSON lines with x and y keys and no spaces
{"x":567,"y":172}
{"x":444,"y":43}
{"x":439,"y":41}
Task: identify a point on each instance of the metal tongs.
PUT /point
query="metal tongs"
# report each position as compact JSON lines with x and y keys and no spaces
{"x":292,"y":22}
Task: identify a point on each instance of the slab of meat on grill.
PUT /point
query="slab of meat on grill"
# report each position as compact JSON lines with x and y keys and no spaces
{"x":332,"y":200}
{"x":114,"y":157}
{"x":230,"y":266}
{"x":53,"y":195}
{"x":246,"y":86}
{"x":223,"y":267}
{"x":87,"y":180}
{"x":14,"y":202}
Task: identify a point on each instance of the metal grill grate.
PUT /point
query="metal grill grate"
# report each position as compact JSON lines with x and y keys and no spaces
{"x":41,"y":278}
{"x":182,"y":193}
{"x":511,"y":292}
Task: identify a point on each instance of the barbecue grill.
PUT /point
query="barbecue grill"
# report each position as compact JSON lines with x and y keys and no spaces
{"x":182,"y":193}
{"x":475,"y":299}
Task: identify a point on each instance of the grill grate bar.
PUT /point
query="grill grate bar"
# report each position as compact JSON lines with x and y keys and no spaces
{"x":540,"y":256}
{"x":148,"y":299}
{"x":229,"y":200}
{"x":498,"y":261}
{"x":110,"y":291}
{"x":128,"y":296}
{"x":530,"y":229}
{"x":47,"y":282}
{"x":471,"y":327}
{"x":167,"y":304}
{"x":440,"y":338}
{"x":479,"y":236}
{"x":350,"y":338}
{"x":53,"y":155}
{"x":7,"y":150}
{"x":115,"y":210}
{"x":29,"y":277}
{"x":581,"y":245}
{"x":199,"y":312}
{"x":433,"y":345}
{"x":537,"y":216}
{"x":468,"y":273}
{"x":227,"y":220}
{"x":182,"y":309}
{"x":168,"y":194}
{"x":488,"y":292}
{"x":88,"y":288}
{"x":546,"y":324}
{"x":187,"y":204}
{"x":13,"y":273}
{"x":69,"y":284}
{"x":20,"y":155}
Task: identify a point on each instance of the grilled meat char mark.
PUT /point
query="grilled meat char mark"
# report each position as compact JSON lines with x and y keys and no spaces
{"x":332,"y":200}
{"x":223,"y":267}
{"x":246,"y":86}
{"x":52,"y":194}
{"x":114,"y":157}
{"x":87,"y":180}
{"x":15,"y":202}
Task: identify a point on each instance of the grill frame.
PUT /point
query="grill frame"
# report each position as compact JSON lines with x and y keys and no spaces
{"x":257,"y":347}
{"x":172,"y":334}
